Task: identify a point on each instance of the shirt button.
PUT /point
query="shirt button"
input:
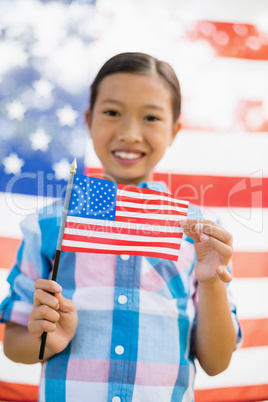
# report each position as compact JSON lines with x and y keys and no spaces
{"x":116,"y":399}
{"x":122,"y":299}
{"x":124,"y":257}
{"x":119,"y":350}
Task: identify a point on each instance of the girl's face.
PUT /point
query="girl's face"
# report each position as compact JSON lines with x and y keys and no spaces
{"x":131,"y":125}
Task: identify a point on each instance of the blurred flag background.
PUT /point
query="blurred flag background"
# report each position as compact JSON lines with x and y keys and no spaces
{"x":49,"y":54}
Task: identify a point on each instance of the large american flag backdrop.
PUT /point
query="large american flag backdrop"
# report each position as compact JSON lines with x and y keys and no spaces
{"x":50,"y":51}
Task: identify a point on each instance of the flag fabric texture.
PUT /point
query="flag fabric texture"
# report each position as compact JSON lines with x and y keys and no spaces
{"x":219,"y":159}
{"x":111,"y":218}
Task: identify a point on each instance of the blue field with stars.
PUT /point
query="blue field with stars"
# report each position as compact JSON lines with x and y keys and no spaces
{"x":93,"y":198}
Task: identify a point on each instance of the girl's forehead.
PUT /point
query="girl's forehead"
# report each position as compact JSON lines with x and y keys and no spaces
{"x":143,"y":84}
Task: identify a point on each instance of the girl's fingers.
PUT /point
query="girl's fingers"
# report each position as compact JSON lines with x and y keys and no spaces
{"x":42,"y":297}
{"x":45,"y":293}
{"x":45,"y":313}
{"x":188,"y":225}
{"x":37,"y":327}
{"x":217,"y":232}
{"x":42,"y":319}
{"x":65,"y":305}
{"x":222,"y":248}
{"x":223,"y":274}
{"x":47,"y":285}
{"x":194,"y":228}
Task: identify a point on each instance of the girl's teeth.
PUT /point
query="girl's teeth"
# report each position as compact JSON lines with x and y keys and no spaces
{"x":127,"y":155}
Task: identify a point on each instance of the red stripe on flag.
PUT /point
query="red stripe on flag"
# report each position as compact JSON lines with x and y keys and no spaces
{"x":2,"y":330}
{"x":119,"y":242}
{"x":212,"y":191}
{"x":250,"y":264}
{"x":127,"y":252}
{"x":147,"y":221}
{"x":148,"y":201}
{"x":145,"y":210}
{"x":244,"y":108}
{"x":255,"y":332}
{"x":233,"y":394}
{"x":8,"y":249}
{"x":245,"y":264}
{"x":18,"y":392}
{"x":140,"y":190}
{"x":218,"y":191}
{"x":158,"y":232}
{"x":233,"y":40}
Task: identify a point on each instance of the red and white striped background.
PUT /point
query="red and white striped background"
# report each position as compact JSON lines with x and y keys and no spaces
{"x":219,"y":160}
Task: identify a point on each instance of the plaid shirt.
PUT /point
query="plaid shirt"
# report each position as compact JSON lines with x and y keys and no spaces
{"x":136,"y":318}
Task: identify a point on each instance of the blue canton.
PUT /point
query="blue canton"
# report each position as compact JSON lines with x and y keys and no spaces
{"x":93,"y":198}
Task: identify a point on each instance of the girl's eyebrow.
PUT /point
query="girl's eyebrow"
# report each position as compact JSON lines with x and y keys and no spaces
{"x":158,"y":107}
{"x":111,"y":101}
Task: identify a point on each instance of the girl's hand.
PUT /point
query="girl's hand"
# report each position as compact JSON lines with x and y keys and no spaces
{"x":213,"y":246}
{"x":54,"y":314}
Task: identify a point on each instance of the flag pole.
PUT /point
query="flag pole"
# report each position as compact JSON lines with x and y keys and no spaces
{"x":59,"y":243}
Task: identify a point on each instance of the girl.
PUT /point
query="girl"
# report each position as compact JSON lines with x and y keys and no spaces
{"x":124,"y":328}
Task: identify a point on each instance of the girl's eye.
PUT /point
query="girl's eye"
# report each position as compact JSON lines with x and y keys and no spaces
{"x":112,"y":113}
{"x":151,"y":118}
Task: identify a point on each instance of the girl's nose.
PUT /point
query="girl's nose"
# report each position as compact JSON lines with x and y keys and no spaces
{"x":130,"y":131}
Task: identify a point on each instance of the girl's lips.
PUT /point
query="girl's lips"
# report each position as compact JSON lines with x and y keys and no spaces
{"x":128,"y":157}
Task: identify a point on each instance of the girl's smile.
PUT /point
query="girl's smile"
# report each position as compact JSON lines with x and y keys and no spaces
{"x":131,"y":125}
{"x":128,"y":156}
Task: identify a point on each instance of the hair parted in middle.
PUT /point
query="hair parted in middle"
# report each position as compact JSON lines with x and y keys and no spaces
{"x":139,"y":63}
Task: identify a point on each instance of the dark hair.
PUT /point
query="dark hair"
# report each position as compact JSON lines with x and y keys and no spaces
{"x":139,"y":63}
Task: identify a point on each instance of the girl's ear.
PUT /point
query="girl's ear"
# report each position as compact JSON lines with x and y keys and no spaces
{"x":88,"y":118}
{"x":175,"y":129}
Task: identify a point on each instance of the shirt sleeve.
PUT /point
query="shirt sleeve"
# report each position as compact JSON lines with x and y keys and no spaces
{"x":34,"y":261}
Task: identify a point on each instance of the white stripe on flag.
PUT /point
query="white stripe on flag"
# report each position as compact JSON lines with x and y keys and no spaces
{"x":116,"y":236}
{"x":241,"y":161}
{"x":18,"y":373}
{"x":124,"y":225}
{"x":159,"y":207}
{"x":142,"y":217}
{"x":78,"y":244}
{"x":150,"y":196}
{"x":15,"y":207}
{"x":249,"y":227}
{"x":176,"y":12}
{"x":251,"y":297}
{"x":249,"y":366}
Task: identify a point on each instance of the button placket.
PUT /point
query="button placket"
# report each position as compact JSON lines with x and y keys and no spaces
{"x":127,"y":277}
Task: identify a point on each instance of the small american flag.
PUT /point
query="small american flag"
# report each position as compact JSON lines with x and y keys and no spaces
{"x":111,"y":218}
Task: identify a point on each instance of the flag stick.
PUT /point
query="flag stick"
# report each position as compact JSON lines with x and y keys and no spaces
{"x":59,"y":243}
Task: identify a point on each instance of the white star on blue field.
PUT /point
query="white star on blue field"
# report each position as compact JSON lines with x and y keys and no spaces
{"x":44,"y":90}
